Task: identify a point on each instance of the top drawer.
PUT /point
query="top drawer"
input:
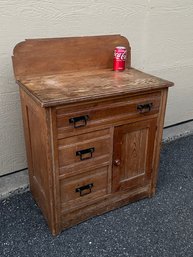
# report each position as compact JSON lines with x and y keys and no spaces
{"x":74,"y":119}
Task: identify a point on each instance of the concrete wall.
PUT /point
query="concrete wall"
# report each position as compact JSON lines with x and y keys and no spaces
{"x":160,"y":33}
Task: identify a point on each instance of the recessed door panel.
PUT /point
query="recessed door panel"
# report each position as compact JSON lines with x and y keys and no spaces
{"x":132,"y":154}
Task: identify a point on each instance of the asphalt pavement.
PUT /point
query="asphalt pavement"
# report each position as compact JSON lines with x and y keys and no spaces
{"x":161,"y":226}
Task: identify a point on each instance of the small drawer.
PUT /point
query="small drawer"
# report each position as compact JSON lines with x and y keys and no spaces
{"x":84,"y":148}
{"x":82,"y":189}
{"x":77,"y":118}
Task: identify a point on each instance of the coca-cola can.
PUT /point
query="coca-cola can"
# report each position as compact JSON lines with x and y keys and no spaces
{"x":120,"y":54}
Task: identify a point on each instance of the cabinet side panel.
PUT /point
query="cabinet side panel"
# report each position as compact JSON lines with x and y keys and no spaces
{"x":38,"y":155}
{"x":158,"y":141}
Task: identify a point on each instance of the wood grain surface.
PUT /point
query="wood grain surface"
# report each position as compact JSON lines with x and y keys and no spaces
{"x":58,"y":55}
{"x":71,"y":87}
{"x":92,"y":137}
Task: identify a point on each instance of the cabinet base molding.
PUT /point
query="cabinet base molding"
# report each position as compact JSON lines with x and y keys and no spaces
{"x":106,"y":204}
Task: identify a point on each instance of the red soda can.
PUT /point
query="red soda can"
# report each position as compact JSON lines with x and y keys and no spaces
{"x":120,"y":54}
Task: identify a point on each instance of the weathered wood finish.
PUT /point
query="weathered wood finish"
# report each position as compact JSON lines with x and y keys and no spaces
{"x":72,"y":199}
{"x":69,"y":147}
{"x":65,"y":88}
{"x":58,"y":55}
{"x":36,"y":129}
{"x":133,"y":150}
{"x":107,"y":158}
{"x":105,"y":112}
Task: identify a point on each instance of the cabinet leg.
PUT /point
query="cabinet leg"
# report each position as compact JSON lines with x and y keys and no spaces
{"x":152,"y":192}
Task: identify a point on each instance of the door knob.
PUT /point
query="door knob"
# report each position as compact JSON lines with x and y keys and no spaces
{"x":117,"y":162}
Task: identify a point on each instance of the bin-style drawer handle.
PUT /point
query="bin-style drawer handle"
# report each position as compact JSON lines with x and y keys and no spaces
{"x":143,"y":108}
{"x":80,"y":121}
{"x":84,"y":190}
{"x":88,"y":152}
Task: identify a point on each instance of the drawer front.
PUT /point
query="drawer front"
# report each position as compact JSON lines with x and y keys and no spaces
{"x":78,"y":152}
{"x":76,"y":118}
{"x":83,"y":189}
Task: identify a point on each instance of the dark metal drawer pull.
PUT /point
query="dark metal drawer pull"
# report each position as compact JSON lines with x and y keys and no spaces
{"x":143,"y":108}
{"x":81,"y":120}
{"x":84,"y":190}
{"x":85,"y":151}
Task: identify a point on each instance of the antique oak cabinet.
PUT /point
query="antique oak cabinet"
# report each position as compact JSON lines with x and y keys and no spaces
{"x":92,"y":134}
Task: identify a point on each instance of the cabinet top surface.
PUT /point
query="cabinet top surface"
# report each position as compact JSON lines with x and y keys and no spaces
{"x":78,"y":86}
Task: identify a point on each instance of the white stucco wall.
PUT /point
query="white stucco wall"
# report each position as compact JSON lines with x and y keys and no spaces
{"x":160,"y":33}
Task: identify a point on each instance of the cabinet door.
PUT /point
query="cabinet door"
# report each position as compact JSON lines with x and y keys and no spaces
{"x":133,"y":154}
